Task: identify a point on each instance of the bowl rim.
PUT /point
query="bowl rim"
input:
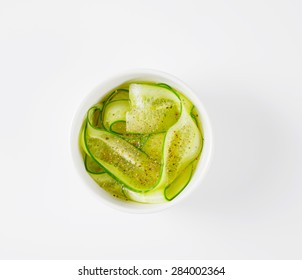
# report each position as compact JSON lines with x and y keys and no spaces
{"x":102,"y":89}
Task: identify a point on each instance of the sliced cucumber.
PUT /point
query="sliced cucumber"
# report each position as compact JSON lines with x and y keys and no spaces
{"x":179,"y":183}
{"x":92,"y":166}
{"x":109,"y":184}
{"x":186,"y":103}
{"x":184,"y":100}
{"x":153,"y":109}
{"x":161,"y":195}
{"x":118,"y":127}
{"x":183,"y":144}
{"x":153,"y":196}
{"x":82,"y":141}
{"x":119,"y":94}
{"x":138,"y":142}
{"x":127,"y":164}
{"x":154,"y":146}
{"x":114,"y":115}
{"x":94,"y":116}
{"x":195,"y":116}
{"x":165,"y":86}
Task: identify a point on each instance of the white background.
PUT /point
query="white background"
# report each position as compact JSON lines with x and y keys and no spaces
{"x":244,"y":59}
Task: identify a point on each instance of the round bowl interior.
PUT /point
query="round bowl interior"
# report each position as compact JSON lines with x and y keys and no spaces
{"x":102,"y":89}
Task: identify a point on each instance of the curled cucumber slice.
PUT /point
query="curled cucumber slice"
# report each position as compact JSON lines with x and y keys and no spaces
{"x":114,"y":115}
{"x":92,"y":166}
{"x":94,"y":116}
{"x":119,"y":94}
{"x":195,"y":116}
{"x":153,"y":109}
{"x":109,"y":184}
{"x":179,"y":183}
{"x":166,"y":194}
{"x":183,"y":144}
{"x":154,"y":146}
{"x":152,"y":197}
{"x":125,"y":163}
{"x":138,"y":142}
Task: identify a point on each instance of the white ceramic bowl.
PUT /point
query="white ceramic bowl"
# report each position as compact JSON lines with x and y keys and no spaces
{"x":106,"y":86}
